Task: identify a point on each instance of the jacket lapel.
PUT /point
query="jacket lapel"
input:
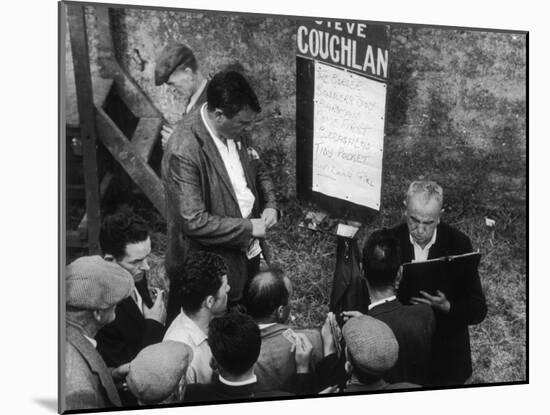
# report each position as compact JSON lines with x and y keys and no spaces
{"x":242,"y":148}
{"x":210,"y":150}
{"x":407,"y":250}
{"x":96,"y":363}
{"x":438,"y":249}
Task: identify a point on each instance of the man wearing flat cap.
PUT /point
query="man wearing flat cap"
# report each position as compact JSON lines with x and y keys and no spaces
{"x":371,"y":352}
{"x":156,"y":372}
{"x":176,"y":66}
{"x":93,"y":289}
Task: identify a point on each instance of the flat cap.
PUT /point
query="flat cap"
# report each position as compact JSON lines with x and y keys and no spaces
{"x":371,"y":344}
{"x":170,"y":57}
{"x":157,"y":370}
{"x":93,"y":283}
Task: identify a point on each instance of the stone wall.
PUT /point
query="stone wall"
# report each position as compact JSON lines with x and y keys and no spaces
{"x":456,"y":102}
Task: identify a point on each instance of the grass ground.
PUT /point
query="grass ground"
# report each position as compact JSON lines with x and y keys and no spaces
{"x":498,"y":343}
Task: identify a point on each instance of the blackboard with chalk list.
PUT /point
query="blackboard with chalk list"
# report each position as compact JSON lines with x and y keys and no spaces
{"x":340,"y":115}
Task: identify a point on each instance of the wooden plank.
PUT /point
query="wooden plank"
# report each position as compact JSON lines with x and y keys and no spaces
{"x":130,"y":92}
{"x":105,"y":182}
{"x":84,"y":95}
{"x":146,"y":135}
{"x":100,"y":90}
{"x":74,"y":240}
{"x":126,"y":154}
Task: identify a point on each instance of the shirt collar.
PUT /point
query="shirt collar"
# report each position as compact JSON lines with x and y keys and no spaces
{"x":210,"y":130}
{"x":428,"y":245}
{"x":196,"y":95}
{"x":382,"y":301}
{"x":248,"y":381}
{"x":196,"y":334}
{"x":264,"y":326}
{"x":93,"y":341}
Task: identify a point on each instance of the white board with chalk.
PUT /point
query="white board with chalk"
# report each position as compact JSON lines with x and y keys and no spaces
{"x":348,"y":136}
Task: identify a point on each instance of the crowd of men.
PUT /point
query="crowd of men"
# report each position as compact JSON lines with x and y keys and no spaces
{"x":222,"y":333}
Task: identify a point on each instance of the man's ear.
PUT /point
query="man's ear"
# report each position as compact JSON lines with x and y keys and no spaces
{"x":348,"y":368}
{"x":398,"y":277}
{"x":218,"y":114}
{"x":209,"y":301}
{"x":98,"y":315}
{"x":214,"y":364}
{"x":280,"y":313}
{"x":109,"y":257}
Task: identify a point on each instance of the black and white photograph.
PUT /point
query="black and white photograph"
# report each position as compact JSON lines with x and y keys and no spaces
{"x":271,"y":207}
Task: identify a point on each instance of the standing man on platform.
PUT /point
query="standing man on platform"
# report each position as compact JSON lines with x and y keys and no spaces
{"x":423,"y":236}
{"x":219,"y":195}
{"x":176,"y":66}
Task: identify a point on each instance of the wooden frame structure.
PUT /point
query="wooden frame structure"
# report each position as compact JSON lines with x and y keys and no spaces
{"x":93,"y":125}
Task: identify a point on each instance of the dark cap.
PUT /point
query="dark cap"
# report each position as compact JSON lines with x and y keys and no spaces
{"x":170,"y":57}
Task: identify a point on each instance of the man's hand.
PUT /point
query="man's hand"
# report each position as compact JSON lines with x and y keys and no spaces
{"x":438,"y":301}
{"x":303,"y":348}
{"x":158,"y":310}
{"x":165,"y":133}
{"x":258,"y":228}
{"x":120,"y":373}
{"x":350,"y":314}
{"x":269,"y":215}
{"x":329,"y":342}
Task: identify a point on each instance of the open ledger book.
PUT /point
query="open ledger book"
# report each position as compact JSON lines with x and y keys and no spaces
{"x":435,"y":274}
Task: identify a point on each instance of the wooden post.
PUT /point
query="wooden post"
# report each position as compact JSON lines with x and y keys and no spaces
{"x":131,"y":160}
{"x":86,"y":111}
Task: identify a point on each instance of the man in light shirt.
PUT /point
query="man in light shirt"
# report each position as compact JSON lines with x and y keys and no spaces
{"x":200,"y":288}
{"x":423,"y":236}
{"x":139,"y":322}
{"x":176,"y":66}
{"x":218,"y":193}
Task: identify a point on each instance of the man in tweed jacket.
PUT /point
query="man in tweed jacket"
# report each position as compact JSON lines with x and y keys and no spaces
{"x":219,"y":195}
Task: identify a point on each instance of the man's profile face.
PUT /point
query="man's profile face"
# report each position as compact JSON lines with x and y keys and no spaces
{"x":183,"y":80}
{"x":220,"y":302}
{"x":232,"y":128}
{"x":422,"y":218}
{"x":135,"y":260}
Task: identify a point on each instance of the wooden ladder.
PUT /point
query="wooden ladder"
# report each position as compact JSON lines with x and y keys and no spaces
{"x":92,"y":124}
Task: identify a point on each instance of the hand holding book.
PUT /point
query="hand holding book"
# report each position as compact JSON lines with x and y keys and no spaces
{"x":438,"y":301}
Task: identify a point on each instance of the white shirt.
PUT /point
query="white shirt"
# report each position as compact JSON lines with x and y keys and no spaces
{"x":93,"y":341}
{"x":195,"y":96}
{"x":421,"y":254}
{"x":248,"y":381}
{"x":232,"y":163}
{"x":384,"y":300}
{"x":264,"y":326}
{"x":184,"y":330}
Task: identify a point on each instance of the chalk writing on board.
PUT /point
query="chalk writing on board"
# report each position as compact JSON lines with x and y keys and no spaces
{"x":348,"y":135}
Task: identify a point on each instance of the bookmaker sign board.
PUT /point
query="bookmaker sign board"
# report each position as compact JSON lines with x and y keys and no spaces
{"x":342,"y":71}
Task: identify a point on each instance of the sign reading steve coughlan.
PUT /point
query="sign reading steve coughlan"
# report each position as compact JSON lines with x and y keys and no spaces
{"x":359,"y":47}
{"x":349,"y":101}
